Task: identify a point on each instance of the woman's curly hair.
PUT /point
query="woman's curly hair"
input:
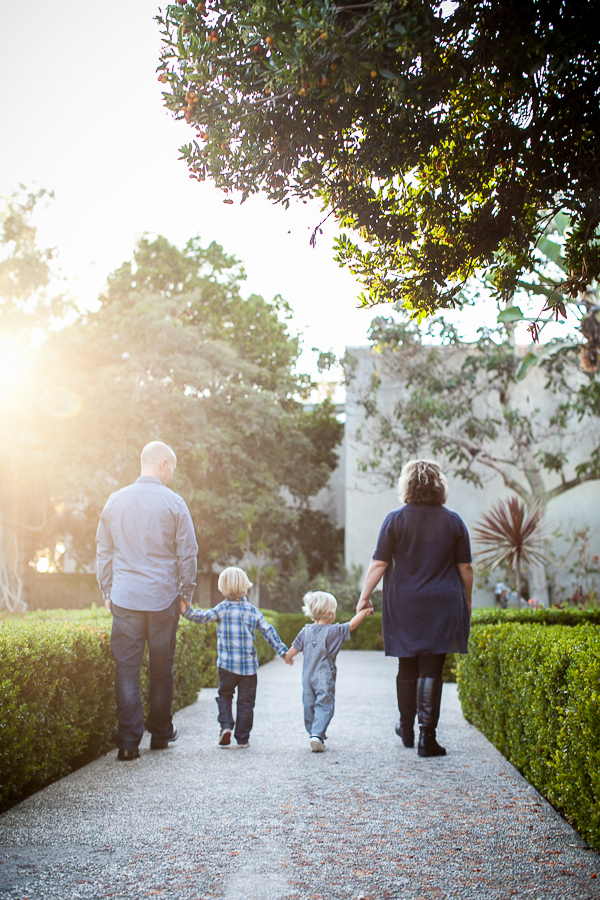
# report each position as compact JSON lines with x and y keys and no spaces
{"x":422,"y":481}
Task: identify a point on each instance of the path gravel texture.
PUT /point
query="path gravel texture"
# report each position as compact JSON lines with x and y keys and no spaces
{"x":366,"y":820}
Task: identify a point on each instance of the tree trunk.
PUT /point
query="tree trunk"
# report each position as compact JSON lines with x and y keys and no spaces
{"x":538,"y":582}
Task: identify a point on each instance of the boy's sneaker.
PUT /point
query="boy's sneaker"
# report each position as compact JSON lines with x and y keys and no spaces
{"x":243,"y":746}
{"x":316,"y":744}
{"x":225,"y":737}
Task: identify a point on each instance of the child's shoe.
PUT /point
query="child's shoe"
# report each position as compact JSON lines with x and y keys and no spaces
{"x":316,"y":744}
{"x":225,"y":737}
{"x":243,"y":746}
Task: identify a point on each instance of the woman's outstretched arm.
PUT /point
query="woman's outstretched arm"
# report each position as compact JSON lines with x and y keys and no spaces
{"x":374,"y":575}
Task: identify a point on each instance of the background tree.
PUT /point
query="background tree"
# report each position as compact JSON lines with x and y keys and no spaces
{"x":175,"y":352}
{"x":445,"y":135}
{"x":29,"y":302}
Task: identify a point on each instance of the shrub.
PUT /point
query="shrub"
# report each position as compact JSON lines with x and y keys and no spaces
{"x":534,"y":692}
{"x":57,"y":705}
{"x":552,"y":616}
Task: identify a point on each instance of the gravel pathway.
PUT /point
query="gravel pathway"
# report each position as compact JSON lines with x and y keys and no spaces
{"x":367,"y":820}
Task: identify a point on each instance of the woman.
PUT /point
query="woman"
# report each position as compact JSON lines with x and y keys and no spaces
{"x":424,"y":555}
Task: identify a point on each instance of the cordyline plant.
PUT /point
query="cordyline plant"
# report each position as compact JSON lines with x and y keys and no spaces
{"x":512,"y":534}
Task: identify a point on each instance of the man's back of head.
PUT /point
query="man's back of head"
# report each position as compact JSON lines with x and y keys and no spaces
{"x":158,"y":460}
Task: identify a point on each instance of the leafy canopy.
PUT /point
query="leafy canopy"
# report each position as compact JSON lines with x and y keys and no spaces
{"x":445,"y":135}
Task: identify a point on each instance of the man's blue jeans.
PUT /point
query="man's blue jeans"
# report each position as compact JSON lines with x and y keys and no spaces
{"x":131,"y":630}
{"x":246,"y":696}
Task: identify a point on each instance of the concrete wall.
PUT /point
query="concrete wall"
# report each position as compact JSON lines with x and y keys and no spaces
{"x":61,"y":590}
{"x":368,"y":499}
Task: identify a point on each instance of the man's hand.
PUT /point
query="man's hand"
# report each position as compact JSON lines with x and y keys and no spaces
{"x":107,"y":604}
{"x":183,"y":605}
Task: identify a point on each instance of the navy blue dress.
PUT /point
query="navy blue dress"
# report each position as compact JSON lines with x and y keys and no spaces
{"x":424,"y":603}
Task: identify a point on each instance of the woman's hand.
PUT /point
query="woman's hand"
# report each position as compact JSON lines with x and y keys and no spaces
{"x":365,"y":603}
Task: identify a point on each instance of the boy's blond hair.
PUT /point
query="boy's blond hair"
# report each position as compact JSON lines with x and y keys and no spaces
{"x":318,"y":603}
{"x":233,"y":583}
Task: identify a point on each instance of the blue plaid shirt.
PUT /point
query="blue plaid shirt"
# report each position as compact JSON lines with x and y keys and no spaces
{"x":237,"y":621}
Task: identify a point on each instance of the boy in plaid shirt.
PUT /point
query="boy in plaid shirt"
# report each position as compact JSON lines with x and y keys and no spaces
{"x":237,"y":620}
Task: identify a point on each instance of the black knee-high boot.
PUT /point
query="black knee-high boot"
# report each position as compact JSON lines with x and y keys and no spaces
{"x":407,"y":707}
{"x":429,"y":697}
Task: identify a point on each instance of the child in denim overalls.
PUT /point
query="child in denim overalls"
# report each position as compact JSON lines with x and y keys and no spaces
{"x":320,"y":643}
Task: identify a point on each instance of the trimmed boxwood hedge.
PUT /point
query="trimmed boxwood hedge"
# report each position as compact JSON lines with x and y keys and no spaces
{"x":534,"y":691}
{"x":57,"y":705}
{"x":552,"y":616}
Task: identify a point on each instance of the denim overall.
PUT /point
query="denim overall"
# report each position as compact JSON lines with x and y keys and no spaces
{"x":318,"y":681}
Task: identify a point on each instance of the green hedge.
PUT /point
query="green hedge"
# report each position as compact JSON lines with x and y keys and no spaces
{"x":534,"y":692}
{"x":57,"y":705}
{"x":552,"y":616}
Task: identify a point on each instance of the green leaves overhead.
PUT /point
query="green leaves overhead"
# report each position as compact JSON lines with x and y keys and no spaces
{"x":445,"y":136}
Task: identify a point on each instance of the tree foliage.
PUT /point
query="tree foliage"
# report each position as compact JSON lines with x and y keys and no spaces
{"x":445,"y":135}
{"x":176,"y":353}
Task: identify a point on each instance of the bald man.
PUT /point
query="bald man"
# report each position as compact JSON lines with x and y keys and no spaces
{"x":146,"y":562}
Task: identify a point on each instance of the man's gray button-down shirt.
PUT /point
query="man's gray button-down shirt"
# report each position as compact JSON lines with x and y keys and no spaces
{"x":146,"y":546}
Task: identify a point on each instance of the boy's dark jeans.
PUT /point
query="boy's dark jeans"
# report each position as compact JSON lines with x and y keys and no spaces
{"x":246,"y":695}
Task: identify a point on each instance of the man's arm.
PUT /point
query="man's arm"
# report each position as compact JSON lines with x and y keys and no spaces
{"x":374,"y":575}
{"x":187,"y":554}
{"x":465,"y":570}
{"x":104,"y":559}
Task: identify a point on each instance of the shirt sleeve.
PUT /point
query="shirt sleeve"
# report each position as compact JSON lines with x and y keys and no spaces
{"x":299,"y":641}
{"x":270,"y":635}
{"x":186,"y":551}
{"x":337,"y":635}
{"x":462,"y":549}
{"x":386,"y":541}
{"x":201,"y":615}
{"x":104,"y":555}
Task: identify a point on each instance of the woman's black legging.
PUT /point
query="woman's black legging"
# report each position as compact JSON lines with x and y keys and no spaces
{"x":426,"y":665}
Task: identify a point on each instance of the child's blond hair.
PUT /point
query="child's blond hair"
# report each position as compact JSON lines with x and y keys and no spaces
{"x":233,"y":583}
{"x":318,"y":603}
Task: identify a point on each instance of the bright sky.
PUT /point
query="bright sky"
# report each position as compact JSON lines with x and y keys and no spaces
{"x":82,"y":115}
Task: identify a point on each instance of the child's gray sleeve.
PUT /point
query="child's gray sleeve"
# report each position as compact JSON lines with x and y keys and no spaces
{"x":298,"y":643}
{"x":338,"y":635}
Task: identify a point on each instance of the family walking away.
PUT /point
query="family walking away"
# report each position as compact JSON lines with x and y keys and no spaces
{"x":237,"y":661}
{"x":424,"y":555}
{"x":320,"y":643}
{"x":146,"y":561}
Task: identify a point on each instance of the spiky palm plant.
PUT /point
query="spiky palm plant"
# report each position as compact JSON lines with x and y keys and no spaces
{"x":512,"y":534}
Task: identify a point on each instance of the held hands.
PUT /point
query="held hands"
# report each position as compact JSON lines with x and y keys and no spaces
{"x":183,"y":605}
{"x":289,"y":660}
{"x":365,"y":603}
